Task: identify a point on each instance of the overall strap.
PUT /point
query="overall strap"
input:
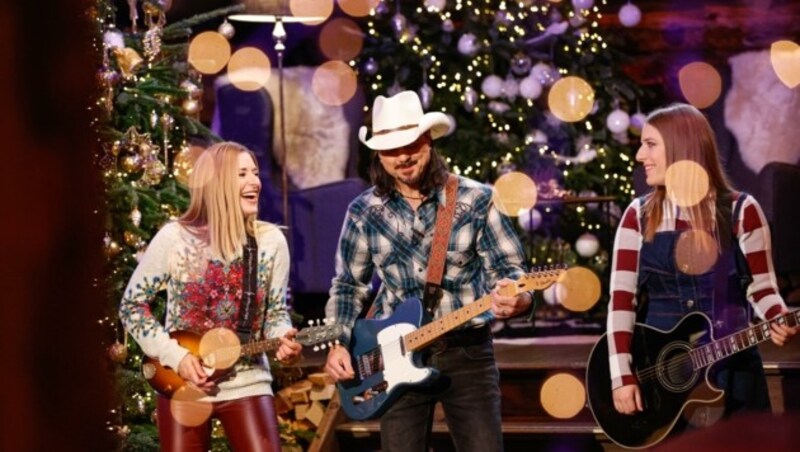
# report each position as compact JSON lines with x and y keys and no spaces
{"x":249,"y":290}
{"x":730,"y":260}
{"x":441,"y":238}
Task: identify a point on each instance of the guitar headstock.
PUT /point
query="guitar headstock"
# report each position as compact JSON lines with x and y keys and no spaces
{"x":540,"y":279}
{"x":319,"y":333}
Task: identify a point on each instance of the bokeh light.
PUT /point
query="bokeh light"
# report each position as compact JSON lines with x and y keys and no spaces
{"x":686,"y":183}
{"x":341,"y":39}
{"x":200,"y":176}
{"x":209,"y":52}
{"x":578,"y":289}
{"x":334,"y":83}
{"x":184,"y":162}
{"x":700,"y":84}
{"x":571,"y":99}
{"x":358,"y":8}
{"x":563,"y":396}
{"x":249,"y":69}
{"x":320,"y":10}
{"x":219,"y":348}
{"x":186,"y":407}
{"x":696,"y":252}
{"x":514,"y":193}
{"x":785,"y":58}
{"x":704,"y":414}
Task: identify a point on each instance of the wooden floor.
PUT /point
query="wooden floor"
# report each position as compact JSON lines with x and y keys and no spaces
{"x":524,"y":364}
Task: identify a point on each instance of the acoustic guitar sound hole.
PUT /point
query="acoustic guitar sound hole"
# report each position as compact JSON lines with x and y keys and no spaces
{"x":675,"y":369}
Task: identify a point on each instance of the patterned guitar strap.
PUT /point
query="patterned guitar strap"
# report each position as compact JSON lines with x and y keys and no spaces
{"x":441,"y":238}
{"x":249,"y":289}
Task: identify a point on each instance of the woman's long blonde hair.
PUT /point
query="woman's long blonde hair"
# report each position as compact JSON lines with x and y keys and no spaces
{"x":687,"y":135}
{"x":215,"y":212}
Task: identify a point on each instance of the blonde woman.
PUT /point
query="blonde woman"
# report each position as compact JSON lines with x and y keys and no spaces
{"x":647,"y":266}
{"x":198,"y":260}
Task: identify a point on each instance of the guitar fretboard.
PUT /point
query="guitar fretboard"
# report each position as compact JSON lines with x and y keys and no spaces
{"x":426,"y":334}
{"x":432,"y":331}
{"x":714,"y":351}
{"x":267,"y":345}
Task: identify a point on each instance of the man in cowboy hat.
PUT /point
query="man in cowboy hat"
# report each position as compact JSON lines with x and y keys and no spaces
{"x":389,"y":229}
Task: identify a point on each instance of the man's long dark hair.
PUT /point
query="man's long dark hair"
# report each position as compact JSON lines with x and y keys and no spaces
{"x":434,"y":175}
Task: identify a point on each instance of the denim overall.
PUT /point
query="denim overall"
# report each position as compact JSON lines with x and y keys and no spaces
{"x":672,"y":294}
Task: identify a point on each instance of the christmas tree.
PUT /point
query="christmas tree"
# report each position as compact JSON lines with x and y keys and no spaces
{"x":147,"y":117}
{"x":532,"y":86}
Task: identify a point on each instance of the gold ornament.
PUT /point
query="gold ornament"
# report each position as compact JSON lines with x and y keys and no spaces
{"x":131,"y":163}
{"x":154,"y":170}
{"x":131,"y":238}
{"x":156,"y":20}
{"x":190,"y":106}
{"x":127,"y":60}
{"x":118,"y":352}
{"x":111,"y":249}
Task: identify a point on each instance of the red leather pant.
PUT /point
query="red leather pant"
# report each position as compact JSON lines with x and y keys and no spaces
{"x":250,"y":425}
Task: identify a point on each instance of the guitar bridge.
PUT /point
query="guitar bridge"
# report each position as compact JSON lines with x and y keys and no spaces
{"x":369,"y":393}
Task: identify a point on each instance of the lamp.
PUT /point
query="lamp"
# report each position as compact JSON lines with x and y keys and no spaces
{"x":277,"y":12}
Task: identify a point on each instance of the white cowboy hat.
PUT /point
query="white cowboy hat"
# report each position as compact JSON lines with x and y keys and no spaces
{"x":399,"y":120}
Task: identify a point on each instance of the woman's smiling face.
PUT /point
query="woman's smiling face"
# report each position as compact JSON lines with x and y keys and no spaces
{"x":653,"y":155}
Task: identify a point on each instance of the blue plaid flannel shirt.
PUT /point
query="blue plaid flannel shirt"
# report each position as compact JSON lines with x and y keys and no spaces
{"x":385,"y":235}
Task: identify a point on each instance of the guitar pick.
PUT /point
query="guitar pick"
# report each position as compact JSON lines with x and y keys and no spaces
{"x":785,"y":57}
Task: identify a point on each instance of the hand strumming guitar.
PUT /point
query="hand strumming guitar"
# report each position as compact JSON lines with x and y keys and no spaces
{"x":338,"y":364}
{"x":628,"y":399}
{"x":192,"y":371}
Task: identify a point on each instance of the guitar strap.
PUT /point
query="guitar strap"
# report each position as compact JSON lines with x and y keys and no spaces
{"x":441,"y":238}
{"x":249,"y":290}
{"x":728,"y":301}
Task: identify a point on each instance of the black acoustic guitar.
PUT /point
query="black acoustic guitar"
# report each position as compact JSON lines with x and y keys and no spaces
{"x":672,"y":368}
{"x":219,"y":349}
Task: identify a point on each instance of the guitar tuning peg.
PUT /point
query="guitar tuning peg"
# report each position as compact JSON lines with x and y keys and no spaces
{"x":310,"y":322}
{"x":316,"y":348}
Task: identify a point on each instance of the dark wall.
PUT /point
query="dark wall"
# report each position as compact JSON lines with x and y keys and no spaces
{"x":54,"y":386}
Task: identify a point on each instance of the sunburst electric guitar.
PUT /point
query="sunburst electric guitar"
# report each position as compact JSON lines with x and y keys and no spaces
{"x":219,"y":349}
{"x":672,"y":368}
{"x":385,"y":354}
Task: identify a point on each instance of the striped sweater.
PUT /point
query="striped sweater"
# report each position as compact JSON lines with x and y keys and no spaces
{"x":753,"y":234}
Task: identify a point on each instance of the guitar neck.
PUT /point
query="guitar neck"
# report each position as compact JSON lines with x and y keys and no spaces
{"x":715,"y":351}
{"x":435,"y":329}
{"x":254,"y":348}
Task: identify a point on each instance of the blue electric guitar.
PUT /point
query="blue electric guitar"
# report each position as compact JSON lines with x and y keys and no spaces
{"x":384,"y":352}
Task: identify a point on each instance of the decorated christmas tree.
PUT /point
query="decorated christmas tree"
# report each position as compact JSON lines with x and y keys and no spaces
{"x":146,"y":115}
{"x":534,"y":87}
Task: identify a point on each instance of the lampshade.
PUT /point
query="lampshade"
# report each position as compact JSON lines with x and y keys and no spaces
{"x":270,"y":11}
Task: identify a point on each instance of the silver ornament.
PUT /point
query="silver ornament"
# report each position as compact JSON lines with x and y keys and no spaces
{"x":399,"y":23}
{"x":371,"y":66}
{"x":470,"y":99}
{"x":448,"y":26}
{"x":194,"y":91}
{"x":521,"y":64}
{"x":136,"y":217}
{"x":426,"y":96}
{"x":227,"y":30}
